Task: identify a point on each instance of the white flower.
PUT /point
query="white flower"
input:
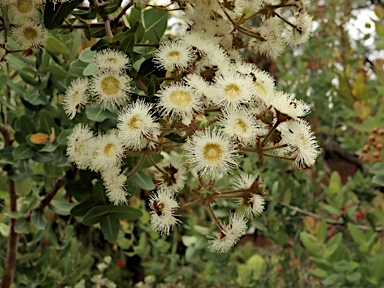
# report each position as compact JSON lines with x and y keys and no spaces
{"x":107,"y":151}
{"x":111,"y":87}
{"x":199,"y":84}
{"x":230,"y":234}
{"x":163,"y":207}
{"x":241,"y":125}
{"x":109,"y":59}
{"x":210,"y":153}
{"x":78,"y":145}
{"x":285,"y":104}
{"x":173,"y":176}
{"x":301,"y":33}
{"x":232,"y":89}
{"x":272,"y":43}
{"x":256,"y":204}
{"x":29,"y":35}
{"x":24,"y":8}
{"x":301,"y":140}
{"x":114,"y":184}
{"x":137,"y":125}
{"x":179,"y":101}
{"x":173,"y":55}
{"x":263,"y":82}
{"x":75,"y":97}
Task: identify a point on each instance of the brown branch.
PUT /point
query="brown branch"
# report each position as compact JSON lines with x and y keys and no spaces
{"x":122,"y":12}
{"x":60,"y":181}
{"x":330,"y":221}
{"x":55,"y":188}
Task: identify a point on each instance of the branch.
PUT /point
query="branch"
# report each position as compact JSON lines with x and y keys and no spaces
{"x":330,"y":221}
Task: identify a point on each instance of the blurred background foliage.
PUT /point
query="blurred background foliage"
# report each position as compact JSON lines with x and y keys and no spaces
{"x":322,"y":227}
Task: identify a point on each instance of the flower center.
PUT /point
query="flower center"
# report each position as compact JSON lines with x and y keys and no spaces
{"x":174,"y":54}
{"x":110,"y":85}
{"x":24,"y":6}
{"x":180,"y":98}
{"x":232,"y":91}
{"x":30,"y":33}
{"x":304,"y":140}
{"x":212,"y":153}
{"x":136,"y":123}
{"x":111,"y":60}
{"x":109,"y":149}
{"x":241,"y":125}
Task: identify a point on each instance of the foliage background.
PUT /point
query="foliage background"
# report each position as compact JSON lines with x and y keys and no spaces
{"x":321,"y":228}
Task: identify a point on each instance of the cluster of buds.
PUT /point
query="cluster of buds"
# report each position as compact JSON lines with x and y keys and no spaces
{"x":373,"y":152}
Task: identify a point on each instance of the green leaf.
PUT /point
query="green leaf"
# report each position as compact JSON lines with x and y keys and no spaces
{"x":90,"y":70}
{"x":319,"y":273}
{"x":94,"y":215}
{"x":25,"y":168}
{"x":46,"y":123}
{"x":57,"y":71}
{"x":38,"y":219}
{"x":143,"y":180}
{"x":155,"y":23}
{"x":25,"y":126}
{"x":61,"y":207}
{"x":82,"y":208}
{"x":98,"y":114}
{"x":354,"y":277}
{"x":63,"y":136}
{"x":110,"y":227}
{"x":85,"y":15}
{"x":333,"y":279}
{"x":78,"y":67}
{"x":377,"y":168}
{"x":333,"y":244}
{"x":128,"y":43}
{"x":55,"y":46}
{"x":345,"y":266}
{"x":87,"y":55}
{"x":332,"y":210}
{"x":103,"y":43}
{"x":22,"y":226}
{"x":357,"y":235}
{"x":378,"y":179}
{"x":23,"y":151}
{"x":111,"y":7}
{"x":312,"y":245}
{"x":125,"y":212}
{"x":54,"y":14}
{"x":335,"y":183}
{"x":99,"y":194}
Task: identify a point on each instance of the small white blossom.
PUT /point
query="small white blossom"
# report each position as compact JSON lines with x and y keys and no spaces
{"x":173,"y":55}
{"x":163,"y":207}
{"x":175,"y":176}
{"x":75,"y":97}
{"x":302,"y":141}
{"x":78,"y":145}
{"x":114,"y":183}
{"x":229,"y":235}
{"x":211,"y":153}
{"x":107,"y":151}
{"x":179,"y":101}
{"x":29,"y":35}
{"x":109,"y":59}
{"x":284,"y":103}
{"x":137,"y":126}
{"x":111,"y":87}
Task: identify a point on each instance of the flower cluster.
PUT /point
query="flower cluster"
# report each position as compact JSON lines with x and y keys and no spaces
{"x":214,"y":109}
